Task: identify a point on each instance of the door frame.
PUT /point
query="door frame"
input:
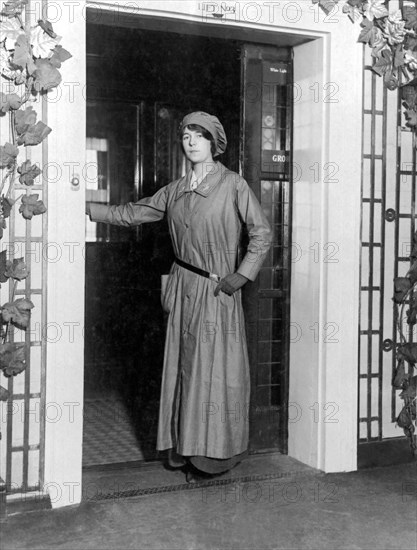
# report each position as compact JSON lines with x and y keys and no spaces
{"x":322,"y":373}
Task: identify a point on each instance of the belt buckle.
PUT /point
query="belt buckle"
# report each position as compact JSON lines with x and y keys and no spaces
{"x":214,"y":277}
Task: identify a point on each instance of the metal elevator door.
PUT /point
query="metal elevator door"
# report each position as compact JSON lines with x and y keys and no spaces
{"x":266,"y":162}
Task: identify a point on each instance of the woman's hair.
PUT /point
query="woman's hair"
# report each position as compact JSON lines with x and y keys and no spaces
{"x":205,"y":133}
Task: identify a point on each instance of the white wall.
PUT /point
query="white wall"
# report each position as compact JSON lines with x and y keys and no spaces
{"x":66,"y":236}
{"x":324,"y":212}
{"x":325,"y":284}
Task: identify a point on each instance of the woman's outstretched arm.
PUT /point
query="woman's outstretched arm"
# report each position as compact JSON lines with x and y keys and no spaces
{"x":151,"y":209}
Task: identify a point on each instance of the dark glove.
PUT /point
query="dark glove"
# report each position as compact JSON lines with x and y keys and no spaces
{"x":230,"y":283}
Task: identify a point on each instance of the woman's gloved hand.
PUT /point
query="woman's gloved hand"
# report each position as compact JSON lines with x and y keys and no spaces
{"x":230,"y":283}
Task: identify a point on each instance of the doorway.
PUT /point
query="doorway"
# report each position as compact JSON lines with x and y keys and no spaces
{"x":139,"y":86}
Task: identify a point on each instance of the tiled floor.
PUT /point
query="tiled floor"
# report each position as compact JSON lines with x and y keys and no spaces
{"x":109,"y":434}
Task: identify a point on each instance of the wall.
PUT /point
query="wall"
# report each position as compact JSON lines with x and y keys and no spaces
{"x":66,"y":229}
{"x":324,"y":297}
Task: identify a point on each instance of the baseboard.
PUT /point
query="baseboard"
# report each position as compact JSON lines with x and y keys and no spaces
{"x":18,"y":503}
{"x":384,"y":453}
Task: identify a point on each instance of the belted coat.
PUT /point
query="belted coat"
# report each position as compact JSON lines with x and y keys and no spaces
{"x":205,"y":383}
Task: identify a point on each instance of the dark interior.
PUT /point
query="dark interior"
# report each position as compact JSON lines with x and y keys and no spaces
{"x":140,"y":85}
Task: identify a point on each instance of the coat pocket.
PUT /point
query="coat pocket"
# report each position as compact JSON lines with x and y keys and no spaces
{"x":168,"y":291}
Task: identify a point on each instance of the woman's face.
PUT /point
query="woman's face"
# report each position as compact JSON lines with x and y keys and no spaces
{"x":196,"y":147}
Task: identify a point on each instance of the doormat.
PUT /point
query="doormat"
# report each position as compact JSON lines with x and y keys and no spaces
{"x":254,"y":478}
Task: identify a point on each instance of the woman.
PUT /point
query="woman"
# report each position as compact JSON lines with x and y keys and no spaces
{"x":203,"y":416}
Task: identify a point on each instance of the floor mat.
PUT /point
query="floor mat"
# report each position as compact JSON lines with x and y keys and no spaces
{"x":125,"y":481}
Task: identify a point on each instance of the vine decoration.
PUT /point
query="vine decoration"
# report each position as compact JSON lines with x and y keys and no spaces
{"x":30,"y":59}
{"x":392,"y":36}
{"x":405,"y":294}
{"x":393,"y":39}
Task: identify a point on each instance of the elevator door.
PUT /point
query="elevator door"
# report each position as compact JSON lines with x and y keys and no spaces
{"x":266,"y":162}
{"x":132,"y":131}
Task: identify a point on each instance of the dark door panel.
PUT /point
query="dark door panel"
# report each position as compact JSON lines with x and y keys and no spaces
{"x":267,"y":123}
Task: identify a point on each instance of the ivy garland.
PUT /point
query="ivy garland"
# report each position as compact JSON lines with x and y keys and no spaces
{"x":392,"y":35}
{"x":405,"y":294}
{"x":30,"y":58}
{"x":393,"y":39}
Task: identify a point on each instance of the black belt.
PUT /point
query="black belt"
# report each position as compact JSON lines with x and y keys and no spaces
{"x":211,"y":276}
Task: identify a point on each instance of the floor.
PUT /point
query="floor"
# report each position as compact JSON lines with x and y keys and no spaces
{"x":108,"y":434}
{"x":260,"y":507}
{"x":137,"y":478}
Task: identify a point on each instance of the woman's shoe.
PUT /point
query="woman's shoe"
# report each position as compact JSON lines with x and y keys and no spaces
{"x":175,"y":461}
{"x":192,"y":475}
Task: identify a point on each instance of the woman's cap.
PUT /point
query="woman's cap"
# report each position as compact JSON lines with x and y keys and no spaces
{"x":210,"y":123}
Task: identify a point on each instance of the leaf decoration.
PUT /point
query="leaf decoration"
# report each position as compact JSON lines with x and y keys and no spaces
{"x":11,"y":8}
{"x":409,"y":94}
{"x":411,"y":118}
{"x":28,"y":173}
{"x":8,"y":154}
{"x":412,"y":273}
{"x":46,"y":75}
{"x":393,"y":29}
{"x":16,"y":269}
{"x":326,"y":5}
{"x":35,"y":134}
{"x":12,"y":358}
{"x":413,"y":254}
{"x":367,"y":32}
{"x":42,"y":42}
{"x":3,"y":260}
{"x":17,"y":312}
{"x":384,"y":63}
{"x":21,"y":52}
{"x":375,"y":9}
{"x":410,"y":391}
{"x":3,"y":226}
{"x":412,"y":315}
{"x":407,"y":352}
{"x":378,"y":43}
{"x":46,"y":26}
{"x":400,"y":375}
{"x":31,"y":206}
{"x":390,"y":80}
{"x":8,"y":70}
{"x":10,"y":30}
{"x":9,"y":101}
{"x":401,"y":286}
{"x":410,"y":17}
{"x":404,"y":418}
{"x":24,"y":119}
{"x":59,"y":55}
{"x":4,"y":394}
{"x":6,"y":205}
{"x":352,"y":11}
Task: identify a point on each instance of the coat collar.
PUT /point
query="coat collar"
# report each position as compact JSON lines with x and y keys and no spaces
{"x":206,"y":186}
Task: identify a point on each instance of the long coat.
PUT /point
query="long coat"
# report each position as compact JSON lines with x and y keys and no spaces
{"x":205,"y":384}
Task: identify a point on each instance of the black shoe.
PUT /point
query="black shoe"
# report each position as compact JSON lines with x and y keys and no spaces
{"x":192,"y":475}
{"x":175,"y":461}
